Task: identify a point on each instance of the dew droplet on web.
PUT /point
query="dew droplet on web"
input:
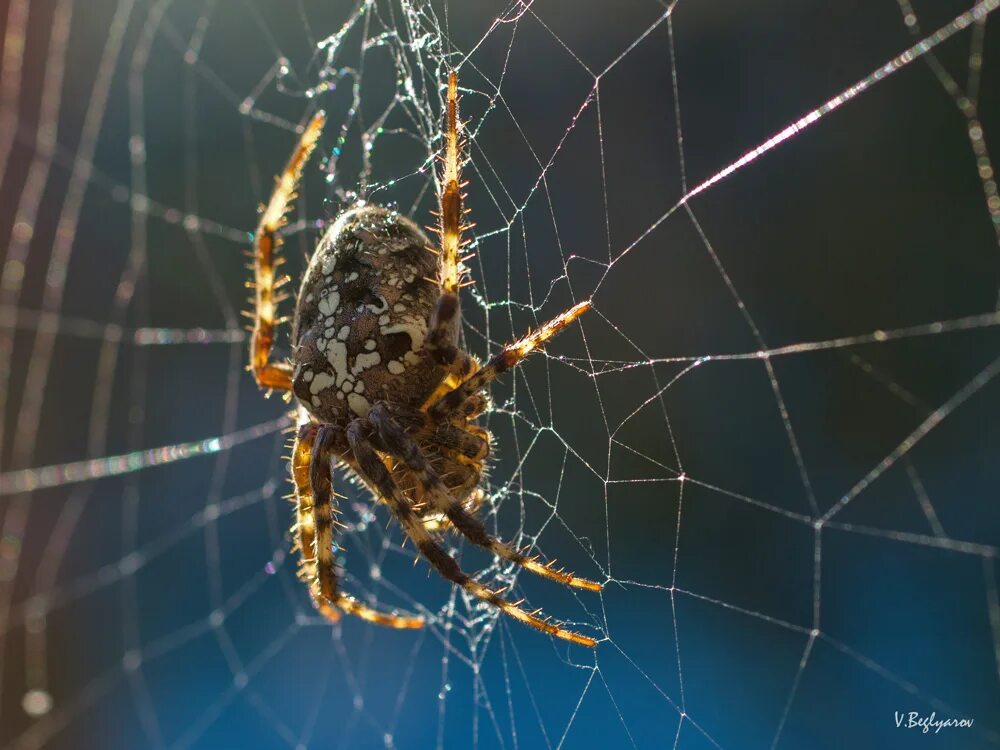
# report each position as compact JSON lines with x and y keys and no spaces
{"x":36,"y":703}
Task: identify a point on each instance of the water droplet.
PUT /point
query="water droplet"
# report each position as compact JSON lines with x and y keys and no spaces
{"x":36,"y":702}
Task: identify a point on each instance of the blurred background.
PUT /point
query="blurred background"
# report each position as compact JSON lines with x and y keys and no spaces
{"x":775,"y":438}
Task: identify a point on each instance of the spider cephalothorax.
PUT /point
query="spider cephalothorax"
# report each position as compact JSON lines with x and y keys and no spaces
{"x":382,"y":386}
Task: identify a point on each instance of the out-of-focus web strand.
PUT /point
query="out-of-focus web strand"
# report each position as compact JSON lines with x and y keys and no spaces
{"x":28,"y":480}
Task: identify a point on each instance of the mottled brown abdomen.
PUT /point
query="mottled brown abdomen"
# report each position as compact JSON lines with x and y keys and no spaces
{"x":362,"y":317}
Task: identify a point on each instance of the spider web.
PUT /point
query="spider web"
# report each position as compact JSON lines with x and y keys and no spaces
{"x":774,"y":438}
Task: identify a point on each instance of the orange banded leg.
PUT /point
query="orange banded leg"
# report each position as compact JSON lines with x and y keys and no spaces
{"x":440,"y":341}
{"x":406,"y":448}
{"x":314,"y":540}
{"x":374,"y":470}
{"x":507,"y":358}
{"x":451,"y":209}
{"x":468,"y":441}
{"x":269,"y":374}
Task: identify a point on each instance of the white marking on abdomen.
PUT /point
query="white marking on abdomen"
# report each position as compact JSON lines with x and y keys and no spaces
{"x":415,"y":329}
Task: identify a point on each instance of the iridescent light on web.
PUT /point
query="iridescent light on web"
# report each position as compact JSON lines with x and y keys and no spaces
{"x":27,"y":480}
{"x":162,"y":336}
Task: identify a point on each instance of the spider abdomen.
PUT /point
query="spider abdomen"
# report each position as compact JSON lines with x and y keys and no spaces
{"x":361,"y":317}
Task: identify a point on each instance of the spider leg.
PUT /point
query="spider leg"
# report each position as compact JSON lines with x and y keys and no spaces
{"x":461,"y":366}
{"x":465,"y":441}
{"x":371,"y":467}
{"x":472,"y":407}
{"x":508,"y":357}
{"x":405,"y":447}
{"x":314,"y":494}
{"x":471,"y":441}
{"x":269,"y":374}
{"x":441,"y":328}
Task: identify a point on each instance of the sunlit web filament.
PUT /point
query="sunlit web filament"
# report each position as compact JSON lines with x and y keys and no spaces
{"x":919,"y":49}
{"x":42,"y":477}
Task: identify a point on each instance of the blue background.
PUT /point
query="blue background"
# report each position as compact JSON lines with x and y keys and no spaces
{"x":873,"y":218}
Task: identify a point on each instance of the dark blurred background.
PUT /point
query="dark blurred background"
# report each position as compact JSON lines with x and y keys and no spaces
{"x":159,"y":608}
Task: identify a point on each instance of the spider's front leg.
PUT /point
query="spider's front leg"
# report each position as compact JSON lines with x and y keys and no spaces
{"x":375,"y":471}
{"x":442,"y":326}
{"x":277,"y":375}
{"x":312,"y":470}
{"x":507,"y":358}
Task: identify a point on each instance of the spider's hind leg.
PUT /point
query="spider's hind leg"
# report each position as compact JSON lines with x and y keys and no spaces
{"x":372,"y":467}
{"x":314,"y":495}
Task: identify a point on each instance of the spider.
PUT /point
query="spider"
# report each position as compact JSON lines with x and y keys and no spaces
{"x":381,"y":386}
